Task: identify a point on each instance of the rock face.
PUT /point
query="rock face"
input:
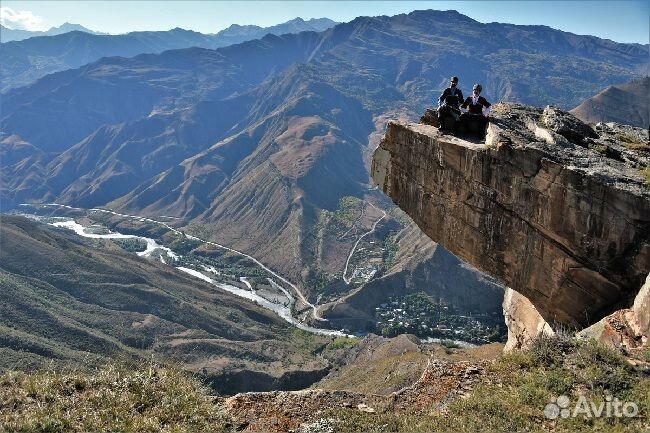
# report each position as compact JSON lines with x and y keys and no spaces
{"x":551,"y":207}
{"x":629,"y":328}
{"x":523,"y":320}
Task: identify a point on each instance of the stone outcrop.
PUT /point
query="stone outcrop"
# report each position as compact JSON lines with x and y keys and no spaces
{"x":629,"y":327}
{"x":523,"y":321}
{"x":553,"y":208}
{"x":280,"y":411}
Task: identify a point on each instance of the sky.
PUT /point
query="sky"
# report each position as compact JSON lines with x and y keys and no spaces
{"x":621,"y":21}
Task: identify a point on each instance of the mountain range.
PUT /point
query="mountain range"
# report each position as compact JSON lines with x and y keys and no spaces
{"x":8,"y":35}
{"x":259,"y":144}
{"x":236,"y":33}
{"x":627,"y":103}
{"x":26,"y":61}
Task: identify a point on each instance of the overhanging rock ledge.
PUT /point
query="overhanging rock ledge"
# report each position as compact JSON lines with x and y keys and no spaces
{"x":553,"y":208}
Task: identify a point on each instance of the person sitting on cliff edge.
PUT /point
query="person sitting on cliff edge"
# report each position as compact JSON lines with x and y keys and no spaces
{"x":474,"y":119}
{"x":448,"y":102}
{"x":452,"y":90}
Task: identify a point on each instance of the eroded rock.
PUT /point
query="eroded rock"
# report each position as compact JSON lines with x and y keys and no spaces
{"x":628,"y":328}
{"x":564,"y":224}
{"x":523,"y":321}
{"x":567,"y":125}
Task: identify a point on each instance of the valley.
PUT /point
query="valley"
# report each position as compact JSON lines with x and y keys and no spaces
{"x":245,"y":276}
{"x":75,"y":302}
{"x":248,"y":278}
{"x":265,"y":146}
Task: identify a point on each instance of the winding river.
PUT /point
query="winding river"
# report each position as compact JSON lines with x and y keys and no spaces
{"x":282,"y":310}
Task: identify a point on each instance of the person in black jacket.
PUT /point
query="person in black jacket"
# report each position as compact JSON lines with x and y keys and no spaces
{"x":475,"y":119}
{"x":448,"y":111}
{"x":452,"y":91}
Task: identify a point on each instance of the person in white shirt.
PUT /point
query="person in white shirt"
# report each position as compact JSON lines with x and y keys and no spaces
{"x":476,"y":112}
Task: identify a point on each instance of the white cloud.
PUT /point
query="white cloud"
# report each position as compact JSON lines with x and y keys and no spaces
{"x":23,"y":20}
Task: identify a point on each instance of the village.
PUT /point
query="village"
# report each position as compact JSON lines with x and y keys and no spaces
{"x":420,"y":315}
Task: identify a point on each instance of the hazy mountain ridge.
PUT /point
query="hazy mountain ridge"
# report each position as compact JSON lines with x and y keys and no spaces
{"x":7,"y":34}
{"x":236,"y":33}
{"x":27,"y":61}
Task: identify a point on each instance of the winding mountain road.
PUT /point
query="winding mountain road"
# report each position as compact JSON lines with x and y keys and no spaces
{"x":374,"y":226}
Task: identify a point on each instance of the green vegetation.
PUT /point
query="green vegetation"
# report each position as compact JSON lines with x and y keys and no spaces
{"x":131,"y":245}
{"x":317,"y":280}
{"x":521,"y":384}
{"x":347,"y":212}
{"x":148,"y":398}
{"x":631,"y":142}
{"x":390,"y":250}
{"x":200,"y":231}
{"x":449,"y":344}
{"x":422,"y":316}
{"x":231,"y":266}
{"x":342,"y":343}
{"x":398,"y":215}
{"x":183,"y":245}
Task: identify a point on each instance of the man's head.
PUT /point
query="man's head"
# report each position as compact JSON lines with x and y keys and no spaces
{"x":453,"y":81}
{"x":477,"y":89}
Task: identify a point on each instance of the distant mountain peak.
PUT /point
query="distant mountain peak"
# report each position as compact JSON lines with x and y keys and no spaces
{"x":70,"y":26}
{"x":9,"y":34}
{"x":294,"y":25}
{"x":625,"y":103}
{"x":447,"y":14}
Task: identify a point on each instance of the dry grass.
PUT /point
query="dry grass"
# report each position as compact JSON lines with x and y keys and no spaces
{"x":645,"y":174}
{"x":381,"y":376}
{"x":150,"y":398}
{"x":632,"y":142}
{"x":519,"y":387}
{"x":511,"y":397}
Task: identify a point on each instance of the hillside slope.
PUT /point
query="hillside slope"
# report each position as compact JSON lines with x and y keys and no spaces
{"x":627,"y":103}
{"x":516,"y":392}
{"x":69,"y":303}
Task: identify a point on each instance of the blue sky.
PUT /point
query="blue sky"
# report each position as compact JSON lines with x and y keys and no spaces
{"x":623,"y":21}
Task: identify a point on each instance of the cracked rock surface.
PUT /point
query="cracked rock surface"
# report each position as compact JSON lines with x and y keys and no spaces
{"x":556,"y":209}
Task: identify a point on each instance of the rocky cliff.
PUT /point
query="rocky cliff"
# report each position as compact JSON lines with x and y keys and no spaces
{"x":555,"y":209}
